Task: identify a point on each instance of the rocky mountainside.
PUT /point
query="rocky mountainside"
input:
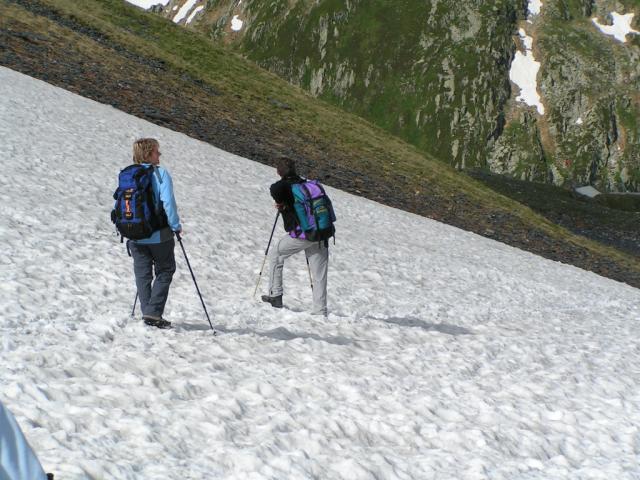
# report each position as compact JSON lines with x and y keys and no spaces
{"x":140,"y":63}
{"x":540,"y":90}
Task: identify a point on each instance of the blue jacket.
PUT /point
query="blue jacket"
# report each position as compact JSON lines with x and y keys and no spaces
{"x":163,"y":192}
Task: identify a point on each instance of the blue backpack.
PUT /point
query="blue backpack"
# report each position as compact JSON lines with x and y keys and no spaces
{"x":136,"y":214}
{"x":314,"y":210}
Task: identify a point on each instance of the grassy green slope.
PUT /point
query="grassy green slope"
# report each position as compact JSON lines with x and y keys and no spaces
{"x":246,"y":93}
{"x":434,"y":72}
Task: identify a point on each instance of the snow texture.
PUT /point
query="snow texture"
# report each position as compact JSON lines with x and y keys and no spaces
{"x":446,"y":355}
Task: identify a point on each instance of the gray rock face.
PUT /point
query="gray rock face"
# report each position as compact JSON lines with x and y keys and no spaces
{"x":436,"y":73}
{"x":157,"y":8}
{"x":589,"y":133}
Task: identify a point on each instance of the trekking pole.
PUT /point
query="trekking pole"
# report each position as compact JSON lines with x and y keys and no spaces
{"x":309,"y":270}
{"x":194,"y":281}
{"x":266,"y":253}
{"x":135,"y":300}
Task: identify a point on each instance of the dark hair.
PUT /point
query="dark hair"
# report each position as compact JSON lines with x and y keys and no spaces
{"x":286,"y":167}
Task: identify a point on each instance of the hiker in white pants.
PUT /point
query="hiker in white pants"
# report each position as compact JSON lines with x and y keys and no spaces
{"x":317,"y":252}
{"x":318,"y":256}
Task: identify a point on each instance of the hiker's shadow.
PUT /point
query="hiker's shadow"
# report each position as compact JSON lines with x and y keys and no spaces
{"x":417,"y":323}
{"x":193,"y":327}
{"x":279,"y":333}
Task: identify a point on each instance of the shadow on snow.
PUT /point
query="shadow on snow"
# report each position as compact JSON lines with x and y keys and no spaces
{"x":279,"y":333}
{"x":417,"y":323}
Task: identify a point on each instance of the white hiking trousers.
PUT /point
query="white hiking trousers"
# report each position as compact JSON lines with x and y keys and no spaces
{"x":318,"y":256}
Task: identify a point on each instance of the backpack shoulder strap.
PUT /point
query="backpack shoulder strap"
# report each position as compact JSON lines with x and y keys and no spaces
{"x":157,"y":201}
{"x":156,"y":170}
{"x":305,"y":190}
{"x":300,"y":185}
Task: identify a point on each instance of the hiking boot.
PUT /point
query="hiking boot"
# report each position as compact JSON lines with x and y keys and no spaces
{"x":276,"y":302}
{"x":158,"y":322}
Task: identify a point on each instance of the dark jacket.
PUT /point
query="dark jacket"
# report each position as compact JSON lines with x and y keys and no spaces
{"x":281,"y":193}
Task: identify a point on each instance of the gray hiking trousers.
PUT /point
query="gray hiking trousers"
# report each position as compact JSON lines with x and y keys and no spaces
{"x":318,"y":256}
{"x":147,"y":258}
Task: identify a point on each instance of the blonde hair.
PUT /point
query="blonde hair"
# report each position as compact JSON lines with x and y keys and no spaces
{"x":142,"y":148}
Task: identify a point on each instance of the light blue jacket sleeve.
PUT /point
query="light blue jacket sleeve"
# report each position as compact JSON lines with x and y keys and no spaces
{"x":17,"y":460}
{"x":165,"y":190}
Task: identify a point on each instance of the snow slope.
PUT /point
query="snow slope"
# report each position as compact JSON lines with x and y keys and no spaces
{"x":446,"y":355}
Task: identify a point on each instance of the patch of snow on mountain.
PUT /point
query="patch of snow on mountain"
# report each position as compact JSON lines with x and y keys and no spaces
{"x":524,"y":73}
{"x":534,"y":7}
{"x":147,"y":4}
{"x":194,"y":13}
{"x":621,"y":26}
{"x":184,"y":10}
{"x":236,"y":23}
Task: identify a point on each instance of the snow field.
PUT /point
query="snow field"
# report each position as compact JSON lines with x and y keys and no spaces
{"x":445,"y":355}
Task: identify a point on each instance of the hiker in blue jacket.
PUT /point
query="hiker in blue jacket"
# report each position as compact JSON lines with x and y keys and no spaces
{"x":17,"y":458}
{"x":155,"y":253}
{"x":317,"y":252}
